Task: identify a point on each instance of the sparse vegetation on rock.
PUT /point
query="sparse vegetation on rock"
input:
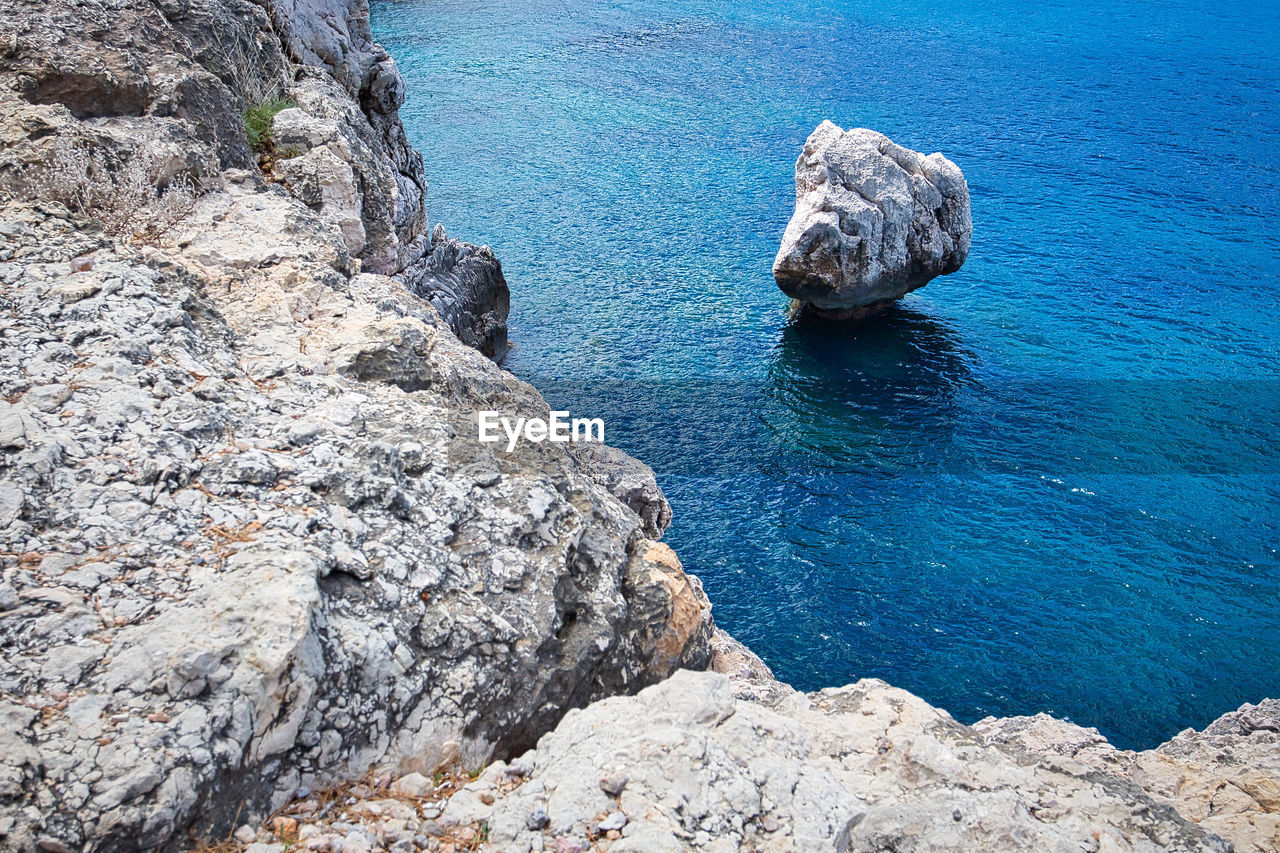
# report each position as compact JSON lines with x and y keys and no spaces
{"x":124,"y":194}
{"x":258,"y":119}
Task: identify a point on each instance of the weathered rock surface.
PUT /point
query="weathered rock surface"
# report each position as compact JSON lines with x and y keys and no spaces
{"x":873,"y":222}
{"x":749,"y":676}
{"x":171,"y":78}
{"x":250,"y":545}
{"x":866,"y":767}
{"x":1225,"y":778}
{"x":251,"y":541}
{"x":466,"y":286}
{"x":698,"y":764}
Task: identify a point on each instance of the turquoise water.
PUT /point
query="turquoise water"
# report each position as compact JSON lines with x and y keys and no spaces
{"x":1049,"y":482}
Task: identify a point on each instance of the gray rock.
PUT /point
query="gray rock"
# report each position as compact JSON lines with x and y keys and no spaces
{"x":413,"y":785}
{"x":537,"y":820}
{"x":12,"y":500}
{"x":632,"y":481}
{"x":613,"y":784}
{"x":750,"y":676}
{"x":265,"y":847}
{"x":873,"y":221}
{"x":13,"y":432}
{"x":1225,"y":778}
{"x":860,"y":768}
{"x":267,"y":605}
{"x":615,"y":820}
{"x":176,"y":96}
{"x":466,"y":285}
{"x":8,"y":596}
{"x":47,"y":398}
{"x":320,"y":175}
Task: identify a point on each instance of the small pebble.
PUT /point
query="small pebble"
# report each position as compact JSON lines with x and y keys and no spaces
{"x":615,"y":820}
{"x":518,"y":769}
{"x":413,"y":785}
{"x":537,"y":819}
{"x":285,"y":826}
{"x":613,"y":784}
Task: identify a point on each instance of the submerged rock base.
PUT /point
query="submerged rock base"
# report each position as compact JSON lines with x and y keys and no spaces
{"x":798,"y":308}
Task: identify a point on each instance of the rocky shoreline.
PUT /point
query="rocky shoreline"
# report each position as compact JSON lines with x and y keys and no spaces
{"x":259,"y":581}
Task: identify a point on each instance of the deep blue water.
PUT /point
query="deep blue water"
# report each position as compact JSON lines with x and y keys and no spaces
{"x":1049,"y":482}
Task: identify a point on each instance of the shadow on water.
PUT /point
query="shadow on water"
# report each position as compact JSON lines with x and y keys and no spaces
{"x":874,"y":395}
{"x":879,"y":391}
{"x":898,"y":345}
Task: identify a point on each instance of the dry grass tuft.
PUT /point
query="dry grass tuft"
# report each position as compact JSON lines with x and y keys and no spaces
{"x":225,"y":538}
{"x":122,"y":193}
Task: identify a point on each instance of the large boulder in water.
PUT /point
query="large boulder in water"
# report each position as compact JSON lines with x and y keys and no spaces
{"x":873,"y":222}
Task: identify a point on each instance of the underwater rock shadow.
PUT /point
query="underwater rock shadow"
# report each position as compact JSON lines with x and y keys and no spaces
{"x":837,"y":397}
{"x":879,"y":391}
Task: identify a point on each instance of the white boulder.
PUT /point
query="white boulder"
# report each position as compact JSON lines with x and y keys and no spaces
{"x":873,"y":222}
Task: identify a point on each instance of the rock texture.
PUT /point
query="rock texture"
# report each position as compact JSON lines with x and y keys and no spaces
{"x":701,"y":763}
{"x":873,"y":222}
{"x":172,"y":77}
{"x":684,"y":765}
{"x":465,"y":284}
{"x":1225,"y":778}
{"x":250,"y":540}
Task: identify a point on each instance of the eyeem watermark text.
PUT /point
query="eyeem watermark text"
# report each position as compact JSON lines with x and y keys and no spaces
{"x":559,"y":429}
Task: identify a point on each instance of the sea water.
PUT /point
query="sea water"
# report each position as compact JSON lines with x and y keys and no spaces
{"x":1048,"y":482}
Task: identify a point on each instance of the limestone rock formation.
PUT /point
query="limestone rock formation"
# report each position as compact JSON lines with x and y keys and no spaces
{"x":700,"y":763}
{"x":466,"y":286}
{"x":254,"y":543}
{"x":873,"y":222}
{"x":866,"y":767}
{"x":170,"y":79}
{"x":1225,"y":778}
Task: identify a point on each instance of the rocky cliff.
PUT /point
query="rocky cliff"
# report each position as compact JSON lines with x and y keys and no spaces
{"x":250,"y":540}
{"x":733,"y":760}
{"x":168,"y":81}
{"x":252,"y":549}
